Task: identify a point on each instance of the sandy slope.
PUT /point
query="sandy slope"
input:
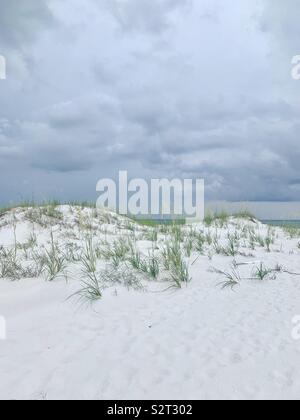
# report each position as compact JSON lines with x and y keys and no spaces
{"x":199,"y":342}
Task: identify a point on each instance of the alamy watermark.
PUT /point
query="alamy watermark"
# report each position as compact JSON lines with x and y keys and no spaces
{"x":2,"y":328}
{"x":296,"y":329}
{"x":2,"y":67}
{"x":156,"y":198}
{"x":296,"y":67}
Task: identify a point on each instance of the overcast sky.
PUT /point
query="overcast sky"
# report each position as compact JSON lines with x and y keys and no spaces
{"x":162,"y":88}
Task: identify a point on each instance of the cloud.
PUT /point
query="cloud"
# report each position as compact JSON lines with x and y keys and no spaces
{"x":21,"y":21}
{"x":148,"y":16}
{"x":281,"y":22}
{"x":202,"y":96}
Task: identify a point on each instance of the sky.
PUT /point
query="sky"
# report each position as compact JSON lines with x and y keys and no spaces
{"x":161,"y":88}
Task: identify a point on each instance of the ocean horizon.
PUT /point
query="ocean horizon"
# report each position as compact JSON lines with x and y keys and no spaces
{"x":281,"y":222}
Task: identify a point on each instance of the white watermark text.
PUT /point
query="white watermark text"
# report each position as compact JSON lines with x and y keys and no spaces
{"x":296,"y":67}
{"x":2,"y":328}
{"x":158,"y":197}
{"x":2,"y":67}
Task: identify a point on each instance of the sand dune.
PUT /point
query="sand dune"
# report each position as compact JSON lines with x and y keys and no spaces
{"x":150,"y":341}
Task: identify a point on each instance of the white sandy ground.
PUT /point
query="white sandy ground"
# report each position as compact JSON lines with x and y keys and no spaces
{"x":199,"y":342}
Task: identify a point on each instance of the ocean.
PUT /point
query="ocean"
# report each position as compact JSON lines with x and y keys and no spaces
{"x":294,"y":223}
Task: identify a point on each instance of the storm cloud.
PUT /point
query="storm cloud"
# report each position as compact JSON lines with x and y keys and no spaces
{"x":177,"y":88}
{"x":21,"y":22}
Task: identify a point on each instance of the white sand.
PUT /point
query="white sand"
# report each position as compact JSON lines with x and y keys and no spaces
{"x":199,"y":342}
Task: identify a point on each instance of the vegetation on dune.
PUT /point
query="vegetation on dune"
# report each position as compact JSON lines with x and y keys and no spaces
{"x":219,"y":218}
{"x":232,"y":278}
{"x":112,"y":250}
{"x":158,"y":222}
{"x":244,"y":214}
{"x":291,"y":230}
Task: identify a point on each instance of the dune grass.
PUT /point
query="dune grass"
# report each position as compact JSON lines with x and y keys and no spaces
{"x":54,"y":262}
{"x":125,"y":260}
{"x":291,"y":231}
{"x":232,"y":277}
{"x":262,"y":273}
{"x":244,"y":214}
{"x":175,"y":264}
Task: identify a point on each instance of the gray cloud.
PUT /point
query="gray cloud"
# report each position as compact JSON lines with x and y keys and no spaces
{"x":21,"y":21}
{"x":207,"y":94}
{"x":149,"y":16}
{"x":281,"y":22}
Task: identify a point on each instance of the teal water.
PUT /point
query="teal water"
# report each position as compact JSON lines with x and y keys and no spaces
{"x":294,"y":223}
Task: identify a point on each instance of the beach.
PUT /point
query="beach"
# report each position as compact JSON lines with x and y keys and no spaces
{"x":153,"y":341}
